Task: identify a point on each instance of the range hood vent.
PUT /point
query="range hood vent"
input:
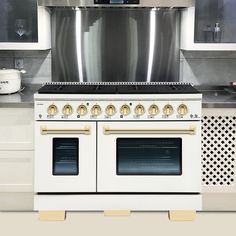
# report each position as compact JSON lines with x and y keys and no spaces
{"x":116,"y":3}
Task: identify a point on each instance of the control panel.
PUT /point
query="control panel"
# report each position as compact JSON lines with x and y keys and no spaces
{"x":117,"y":110}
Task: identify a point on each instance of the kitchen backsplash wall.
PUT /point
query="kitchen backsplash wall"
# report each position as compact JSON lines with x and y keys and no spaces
{"x":211,"y":67}
{"x":195,"y":67}
{"x":36,"y":63}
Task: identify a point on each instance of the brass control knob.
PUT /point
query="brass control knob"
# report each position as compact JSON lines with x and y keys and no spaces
{"x":139,"y":110}
{"x":153,"y":110}
{"x":111,"y":110}
{"x":125,"y":110}
{"x":52,"y":110}
{"x":182,"y":110}
{"x":82,"y":110}
{"x":67,"y":110}
{"x":96,"y":110}
{"x":168,"y":110}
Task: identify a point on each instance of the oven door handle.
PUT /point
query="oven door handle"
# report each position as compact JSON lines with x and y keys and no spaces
{"x":191,"y":131}
{"x":44,"y":131}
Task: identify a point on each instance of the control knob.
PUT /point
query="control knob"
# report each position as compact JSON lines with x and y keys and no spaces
{"x":111,"y":110}
{"x":153,"y":110}
{"x":182,"y":109}
{"x":67,"y":110}
{"x":168,"y":110}
{"x":82,"y":110}
{"x":125,"y":110}
{"x":96,"y":110}
{"x":52,"y":110}
{"x":139,"y":110}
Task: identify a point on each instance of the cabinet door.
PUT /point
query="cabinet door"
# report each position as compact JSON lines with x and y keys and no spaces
{"x":18,"y":21}
{"x":215,"y":21}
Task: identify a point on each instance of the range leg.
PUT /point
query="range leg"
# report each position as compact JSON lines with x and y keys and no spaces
{"x":182,"y":215}
{"x":52,"y":215}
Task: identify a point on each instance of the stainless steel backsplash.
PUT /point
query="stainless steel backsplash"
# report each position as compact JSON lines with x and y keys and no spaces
{"x":115,"y":44}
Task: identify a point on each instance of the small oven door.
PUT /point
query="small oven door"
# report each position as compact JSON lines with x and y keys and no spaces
{"x":149,"y":157}
{"x":65,"y":157}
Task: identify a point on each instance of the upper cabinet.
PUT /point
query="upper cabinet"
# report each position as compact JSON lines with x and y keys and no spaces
{"x":24,"y":25}
{"x":210,"y":25}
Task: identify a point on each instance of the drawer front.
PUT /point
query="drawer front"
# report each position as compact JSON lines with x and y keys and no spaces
{"x":16,"y":129}
{"x":16,"y":171}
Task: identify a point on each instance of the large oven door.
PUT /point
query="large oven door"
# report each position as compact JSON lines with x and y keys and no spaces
{"x":65,"y":157}
{"x":149,"y":157}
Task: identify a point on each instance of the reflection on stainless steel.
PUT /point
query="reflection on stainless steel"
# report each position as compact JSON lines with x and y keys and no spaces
{"x":111,"y":44}
{"x":142,"y":3}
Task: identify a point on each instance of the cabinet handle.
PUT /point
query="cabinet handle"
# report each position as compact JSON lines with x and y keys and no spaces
{"x":191,"y":130}
{"x":86,"y":130}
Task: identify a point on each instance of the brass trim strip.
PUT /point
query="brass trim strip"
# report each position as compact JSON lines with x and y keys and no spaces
{"x":108,"y":131}
{"x":44,"y":131}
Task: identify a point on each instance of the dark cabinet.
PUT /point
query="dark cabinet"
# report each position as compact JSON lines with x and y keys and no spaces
{"x":215,"y":21}
{"x":18,"y":21}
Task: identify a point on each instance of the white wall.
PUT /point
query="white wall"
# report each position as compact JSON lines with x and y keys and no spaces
{"x":210,"y":67}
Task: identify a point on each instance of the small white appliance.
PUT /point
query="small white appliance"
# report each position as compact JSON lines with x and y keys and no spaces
{"x":10,"y":81}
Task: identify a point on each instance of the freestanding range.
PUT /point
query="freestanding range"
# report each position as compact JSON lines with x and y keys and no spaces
{"x":117,"y":146}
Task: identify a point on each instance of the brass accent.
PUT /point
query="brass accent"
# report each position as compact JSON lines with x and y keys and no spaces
{"x":67,"y":110}
{"x":182,"y":110}
{"x":182,"y":215}
{"x":153,"y":110}
{"x":125,"y":110}
{"x":139,"y":110}
{"x":96,"y":110}
{"x":191,"y":130}
{"x":86,"y":130}
{"x":82,"y":110}
{"x":52,"y":110}
{"x":168,"y":110}
{"x":110,"y":110}
{"x":52,"y":215}
{"x":117,"y":213}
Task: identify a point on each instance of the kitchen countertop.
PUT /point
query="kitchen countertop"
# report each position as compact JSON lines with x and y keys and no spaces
{"x":25,"y":98}
{"x":213,"y":97}
{"x":218,"y":96}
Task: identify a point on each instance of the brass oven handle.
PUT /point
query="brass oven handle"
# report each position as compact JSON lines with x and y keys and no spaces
{"x":86,"y":130}
{"x":191,"y":130}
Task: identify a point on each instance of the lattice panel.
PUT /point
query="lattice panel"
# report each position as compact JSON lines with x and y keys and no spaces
{"x":218,"y":150}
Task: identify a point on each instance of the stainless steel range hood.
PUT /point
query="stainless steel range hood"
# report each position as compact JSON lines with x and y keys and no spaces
{"x":116,"y":3}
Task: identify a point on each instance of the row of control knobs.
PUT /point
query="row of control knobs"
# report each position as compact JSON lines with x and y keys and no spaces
{"x":125,"y":110}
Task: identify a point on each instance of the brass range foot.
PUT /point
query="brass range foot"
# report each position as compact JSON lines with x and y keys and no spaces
{"x":117,"y":213}
{"x":182,"y":215}
{"x":52,"y":215}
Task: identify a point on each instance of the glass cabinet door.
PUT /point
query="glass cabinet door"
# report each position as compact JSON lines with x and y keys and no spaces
{"x":215,"y":21}
{"x":18,"y":21}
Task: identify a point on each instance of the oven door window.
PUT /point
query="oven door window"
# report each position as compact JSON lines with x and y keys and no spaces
{"x":65,"y":156}
{"x":149,"y":156}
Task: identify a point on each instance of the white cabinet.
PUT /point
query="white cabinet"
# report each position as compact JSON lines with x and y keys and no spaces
{"x":24,"y":25}
{"x":219,"y":150}
{"x":16,"y":149}
{"x":188,"y":41}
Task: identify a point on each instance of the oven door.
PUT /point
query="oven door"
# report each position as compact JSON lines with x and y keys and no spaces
{"x":149,"y":157}
{"x":65,"y":157}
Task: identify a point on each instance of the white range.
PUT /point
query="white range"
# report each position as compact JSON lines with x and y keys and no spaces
{"x":101,"y":146}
